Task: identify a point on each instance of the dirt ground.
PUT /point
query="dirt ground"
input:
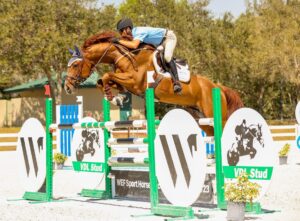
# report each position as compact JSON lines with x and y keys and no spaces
{"x":283,"y":198}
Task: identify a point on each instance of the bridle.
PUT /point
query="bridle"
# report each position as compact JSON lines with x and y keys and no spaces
{"x":78,"y":79}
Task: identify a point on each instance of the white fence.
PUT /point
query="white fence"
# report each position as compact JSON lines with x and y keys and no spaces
{"x":12,"y":145}
{"x":8,"y":144}
{"x":279,"y":133}
{"x":284,"y":132}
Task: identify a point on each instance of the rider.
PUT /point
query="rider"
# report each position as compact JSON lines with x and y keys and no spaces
{"x":244,"y":131}
{"x":153,"y":36}
{"x":88,"y":141}
{"x":244,"y":128}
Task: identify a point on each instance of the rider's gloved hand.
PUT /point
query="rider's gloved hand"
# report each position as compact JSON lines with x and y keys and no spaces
{"x":115,"y":40}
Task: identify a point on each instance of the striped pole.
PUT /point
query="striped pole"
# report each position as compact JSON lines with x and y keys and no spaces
{"x":128,"y":160}
{"x":122,"y":141}
{"x":111,"y":124}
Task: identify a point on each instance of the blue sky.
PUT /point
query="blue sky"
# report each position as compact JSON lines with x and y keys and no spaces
{"x":217,"y":7}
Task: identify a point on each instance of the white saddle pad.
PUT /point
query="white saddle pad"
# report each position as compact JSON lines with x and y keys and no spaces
{"x":184,"y":74}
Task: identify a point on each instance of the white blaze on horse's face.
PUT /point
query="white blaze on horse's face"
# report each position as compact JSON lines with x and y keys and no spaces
{"x":73,"y":74}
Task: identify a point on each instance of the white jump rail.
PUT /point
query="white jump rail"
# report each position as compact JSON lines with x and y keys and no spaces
{"x":206,"y":121}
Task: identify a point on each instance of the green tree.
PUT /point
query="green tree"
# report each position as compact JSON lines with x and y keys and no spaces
{"x":37,"y":34}
{"x":273,"y":56}
{"x":256,"y":53}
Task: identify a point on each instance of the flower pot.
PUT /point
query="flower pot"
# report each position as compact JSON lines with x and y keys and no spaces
{"x":235,"y":211}
{"x":59,"y":166}
{"x":282,"y":160}
{"x":211,"y":161}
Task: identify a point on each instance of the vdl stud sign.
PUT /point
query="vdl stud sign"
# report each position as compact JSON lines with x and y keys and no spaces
{"x":255,"y":173}
{"x":247,"y":146}
{"x":89,"y":166}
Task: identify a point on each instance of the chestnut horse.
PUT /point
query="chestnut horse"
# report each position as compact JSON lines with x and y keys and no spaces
{"x":131,"y":75}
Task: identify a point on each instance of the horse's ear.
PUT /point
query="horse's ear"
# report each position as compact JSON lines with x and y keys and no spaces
{"x":71,"y":51}
{"x":77,"y":51}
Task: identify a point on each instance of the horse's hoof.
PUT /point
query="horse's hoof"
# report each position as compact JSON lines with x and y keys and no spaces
{"x":117,"y":101}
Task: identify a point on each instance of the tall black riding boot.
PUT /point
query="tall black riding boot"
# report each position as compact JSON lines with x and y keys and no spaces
{"x":173,"y":69}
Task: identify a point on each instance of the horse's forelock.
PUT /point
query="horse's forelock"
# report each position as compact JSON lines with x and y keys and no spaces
{"x":97,"y":38}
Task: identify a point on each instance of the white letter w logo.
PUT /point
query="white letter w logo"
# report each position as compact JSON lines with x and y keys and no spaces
{"x":192,"y":142}
{"x":33,"y":154}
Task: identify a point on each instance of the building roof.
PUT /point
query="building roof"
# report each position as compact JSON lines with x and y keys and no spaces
{"x":39,"y":83}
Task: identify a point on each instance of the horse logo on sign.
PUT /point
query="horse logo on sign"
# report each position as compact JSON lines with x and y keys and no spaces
{"x":244,"y":142}
{"x":87,"y":155}
{"x":90,"y":139}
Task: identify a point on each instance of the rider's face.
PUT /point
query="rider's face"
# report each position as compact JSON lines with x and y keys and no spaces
{"x":126,"y":31}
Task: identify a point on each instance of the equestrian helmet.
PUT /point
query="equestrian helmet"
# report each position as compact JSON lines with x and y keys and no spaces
{"x":124,"y":23}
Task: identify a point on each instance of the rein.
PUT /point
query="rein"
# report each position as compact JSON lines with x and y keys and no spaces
{"x":102,"y":55}
{"x":126,"y":53}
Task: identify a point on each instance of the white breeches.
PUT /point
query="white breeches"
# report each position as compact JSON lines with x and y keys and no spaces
{"x":169,"y":45}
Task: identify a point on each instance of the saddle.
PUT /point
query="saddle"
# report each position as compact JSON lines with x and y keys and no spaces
{"x":161,"y":67}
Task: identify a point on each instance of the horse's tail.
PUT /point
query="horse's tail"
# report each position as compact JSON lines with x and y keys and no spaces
{"x":233,"y":99}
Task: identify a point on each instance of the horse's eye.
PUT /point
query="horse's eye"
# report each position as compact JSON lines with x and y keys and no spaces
{"x":75,"y":65}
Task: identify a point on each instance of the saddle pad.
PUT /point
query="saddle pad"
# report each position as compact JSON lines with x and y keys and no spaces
{"x":184,"y":74}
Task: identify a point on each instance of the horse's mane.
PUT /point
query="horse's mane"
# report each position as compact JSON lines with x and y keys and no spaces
{"x":97,"y":38}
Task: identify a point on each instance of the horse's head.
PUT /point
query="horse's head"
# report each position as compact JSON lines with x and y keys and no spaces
{"x":79,"y":69}
{"x":96,"y":49}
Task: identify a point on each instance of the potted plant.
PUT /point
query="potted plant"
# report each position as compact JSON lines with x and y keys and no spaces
{"x":59,"y":160}
{"x":238,"y":194}
{"x":211,"y":159}
{"x":283,"y":153}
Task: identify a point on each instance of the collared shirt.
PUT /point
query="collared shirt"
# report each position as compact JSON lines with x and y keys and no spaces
{"x":149,"y":35}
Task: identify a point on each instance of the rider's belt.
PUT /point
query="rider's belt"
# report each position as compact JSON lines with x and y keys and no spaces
{"x":164,"y":38}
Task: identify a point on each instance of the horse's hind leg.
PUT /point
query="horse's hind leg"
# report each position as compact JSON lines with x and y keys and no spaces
{"x":197,"y":114}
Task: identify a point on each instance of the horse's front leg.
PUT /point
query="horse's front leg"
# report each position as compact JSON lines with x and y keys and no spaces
{"x":106,"y":83}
